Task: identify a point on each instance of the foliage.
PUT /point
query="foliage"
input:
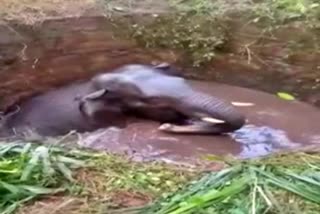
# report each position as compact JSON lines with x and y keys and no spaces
{"x":284,"y":11}
{"x":282,"y":184}
{"x":113,"y":173}
{"x":201,"y":28}
{"x":28,"y":171}
{"x":200,"y":38}
{"x":297,"y":7}
{"x":277,"y":10}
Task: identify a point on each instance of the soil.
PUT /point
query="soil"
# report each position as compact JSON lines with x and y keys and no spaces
{"x":56,"y":50}
{"x":45,"y":44}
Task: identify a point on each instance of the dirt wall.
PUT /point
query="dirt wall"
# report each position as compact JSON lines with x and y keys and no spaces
{"x":57,"y":52}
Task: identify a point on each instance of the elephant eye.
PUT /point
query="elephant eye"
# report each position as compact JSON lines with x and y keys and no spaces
{"x":103,"y":93}
{"x":106,"y":91}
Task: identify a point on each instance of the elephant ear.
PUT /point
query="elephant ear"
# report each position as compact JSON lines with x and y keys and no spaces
{"x":167,"y":69}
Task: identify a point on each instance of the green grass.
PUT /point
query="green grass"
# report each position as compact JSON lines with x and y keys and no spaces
{"x":280,"y":184}
{"x":30,"y":172}
{"x":198,"y":43}
{"x":209,"y":30}
{"x":277,"y":10}
{"x":284,"y":183}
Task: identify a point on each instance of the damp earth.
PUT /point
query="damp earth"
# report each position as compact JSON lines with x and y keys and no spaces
{"x":41,"y":60}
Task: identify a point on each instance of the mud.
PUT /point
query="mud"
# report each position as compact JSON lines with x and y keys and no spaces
{"x":35,"y":59}
{"x":57,"y":52}
{"x":273,"y":125}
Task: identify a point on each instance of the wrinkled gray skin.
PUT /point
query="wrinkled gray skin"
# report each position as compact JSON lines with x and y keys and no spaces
{"x":167,"y":98}
{"x":56,"y":112}
{"x":59,"y":111}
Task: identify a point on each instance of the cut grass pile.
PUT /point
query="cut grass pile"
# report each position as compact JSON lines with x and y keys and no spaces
{"x":27,"y":172}
{"x":281,"y":184}
{"x":33,"y":172}
{"x":284,"y":183}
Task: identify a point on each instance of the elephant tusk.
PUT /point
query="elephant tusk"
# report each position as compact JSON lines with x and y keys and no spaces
{"x":242,"y":104}
{"x":95,"y":95}
{"x":165,"y":126}
{"x":212,"y":120}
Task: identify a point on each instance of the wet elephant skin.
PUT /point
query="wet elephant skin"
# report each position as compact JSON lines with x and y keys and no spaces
{"x":56,"y":112}
{"x":144,"y":87}
{"x":272,"y":124}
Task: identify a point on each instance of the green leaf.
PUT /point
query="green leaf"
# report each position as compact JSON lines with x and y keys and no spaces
{"x":285,"y":96}
{"x":37,"y":190}
{"x":65,"y":171}
{"x":11,"y":188}
{"x":33,"y":162}
{"x":27,"y":170}
{"x":68,"y":160}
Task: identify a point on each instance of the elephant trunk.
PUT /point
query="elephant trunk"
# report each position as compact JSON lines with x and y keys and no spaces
{"x":201,"y":105}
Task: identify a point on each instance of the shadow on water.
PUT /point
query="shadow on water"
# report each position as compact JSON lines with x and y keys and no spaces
{"x":38,"y":59}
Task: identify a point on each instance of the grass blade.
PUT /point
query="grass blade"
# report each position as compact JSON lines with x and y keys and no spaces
{"x":283,"y":184}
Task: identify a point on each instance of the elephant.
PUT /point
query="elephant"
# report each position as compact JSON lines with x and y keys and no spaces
{"x":56,"y":112}
{"x":273,"y":123}
{"x":87,"y":106}
{"x":163,"y":97}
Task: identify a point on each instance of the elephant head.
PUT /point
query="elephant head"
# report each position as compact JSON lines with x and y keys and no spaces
{"x":147,"y":87}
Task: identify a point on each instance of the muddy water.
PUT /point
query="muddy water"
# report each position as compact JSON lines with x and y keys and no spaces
{"x":273,"y":125}
{"x":35,"y":59}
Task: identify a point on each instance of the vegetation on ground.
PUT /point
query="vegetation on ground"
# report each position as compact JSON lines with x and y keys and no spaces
{"x":201,"y":28}
{"x":278,"y":11}
{"x":28,"y":172}
{"x":34,"y":11}
{"x":279,"y":184}
{"x":198,"y":43}
{"x":284,"y":184}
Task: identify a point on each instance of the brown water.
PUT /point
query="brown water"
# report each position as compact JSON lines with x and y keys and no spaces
{"x":273,"y":124}
{"x":58,"y":52}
